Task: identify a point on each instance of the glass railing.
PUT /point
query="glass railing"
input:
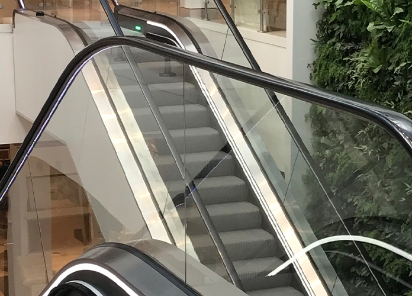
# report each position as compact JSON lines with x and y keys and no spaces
{"x":89,"y":16}
{"x":213,"y":39}
{"x":285,"y":226}
{"x":259,"y":15}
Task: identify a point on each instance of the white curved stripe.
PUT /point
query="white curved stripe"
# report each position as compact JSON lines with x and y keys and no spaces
{"x":156,"y":24}
{"x":88,"y":286}
{"x":337,"y":238}
{"x":90,"y":267}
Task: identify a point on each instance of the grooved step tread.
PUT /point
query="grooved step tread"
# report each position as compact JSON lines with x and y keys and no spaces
{"x":214,"y":190}
{"x":198,"y":139}
{"x":174,"y":117}
{"x":226,"y":217}
{"x":236,"y":237}
{"x":198,"y":165}
{"x":281,"y":291}
{"x":173,"y":109}
{"x":193,"y":157}
{"x":251,"y":268}
{"x":233,"y":208}
{"x":189,"y":132}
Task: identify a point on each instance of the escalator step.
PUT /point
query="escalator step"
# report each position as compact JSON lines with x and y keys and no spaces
{"x":190,"y":140}
{"x":214,"y":190}
{"x":253,"y":273}
{"x":163,"y":94}
{"x":226,"y":217}
{"x":240,"y":245}
{"x":174,"y":117}
{"x":151,"y":72}
{"x":281,"y":291}
{"x":199,"y":165}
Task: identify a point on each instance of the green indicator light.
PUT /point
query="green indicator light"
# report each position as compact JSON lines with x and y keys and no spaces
{"x":138,"y":28}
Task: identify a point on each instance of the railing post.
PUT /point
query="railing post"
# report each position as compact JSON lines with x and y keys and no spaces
{"x":206,"y":10}
{"x":263,"y":25}
{"x":232,"y":10}
{"x":178,"y":7}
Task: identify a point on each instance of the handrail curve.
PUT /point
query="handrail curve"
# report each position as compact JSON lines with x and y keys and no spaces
{"x":398,"y":125}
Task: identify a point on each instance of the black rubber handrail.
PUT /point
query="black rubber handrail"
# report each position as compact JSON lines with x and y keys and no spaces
{"x":397,"y":125}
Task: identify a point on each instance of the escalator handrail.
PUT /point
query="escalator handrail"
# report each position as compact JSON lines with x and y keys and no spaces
{"x":398,"y":125}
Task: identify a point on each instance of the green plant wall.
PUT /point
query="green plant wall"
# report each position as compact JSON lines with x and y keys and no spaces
{"x":364,"y":49}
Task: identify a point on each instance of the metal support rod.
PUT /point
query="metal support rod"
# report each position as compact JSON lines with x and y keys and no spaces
{"x":178,"y":7}
{"x":262,"y":13}
{"x":206,"y":10}
{"x":232,"y":10}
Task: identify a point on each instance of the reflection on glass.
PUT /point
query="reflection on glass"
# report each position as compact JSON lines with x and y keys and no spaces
{"x":247,"y":13}
{"x":130,"y":159}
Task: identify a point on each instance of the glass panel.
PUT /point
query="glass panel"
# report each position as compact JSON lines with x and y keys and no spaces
{"x":275,"y":18}
{"x":219,"y":42}
{"x":87,"y":15}
{"x":266,"y":195}
{"x":247,"y":13}
{"x":362,"y":167}
{"x":24,"y":260}
{"x":160,"y":143}
{"x":384,"y":273}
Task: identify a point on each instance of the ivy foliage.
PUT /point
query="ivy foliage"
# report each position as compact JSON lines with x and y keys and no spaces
{"x":364,"y":50}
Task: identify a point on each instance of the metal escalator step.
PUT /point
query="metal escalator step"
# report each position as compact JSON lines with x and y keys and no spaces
{"x":199,"y":165}
{"x":190,"y":140}
{"x":240,"y":245}
{"x":163,"y":94}
{"x":215,"y":190}
{"x":281,"y":291}
{"x":253,"y":273}
{"x":151,"y":72}
{"x":226,"y":217}
{"x":174,"y":117}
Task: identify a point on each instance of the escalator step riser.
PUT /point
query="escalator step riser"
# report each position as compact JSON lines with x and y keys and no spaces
{"x":139,"y":56}
{"x":264,"y":282}
{"x":238,"y":251}
{"x":151,"y":73}
{"x":165,"y":94}
{"x":208,"y":140}
{"x":174,"y":117}
{"x":198,"y":169}
{"x":224,"y":223}
{"x":217,"y":190}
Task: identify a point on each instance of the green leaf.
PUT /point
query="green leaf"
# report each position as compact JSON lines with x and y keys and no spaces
{"x":397,"y":10}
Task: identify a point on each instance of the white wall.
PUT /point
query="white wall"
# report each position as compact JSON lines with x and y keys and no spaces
{"x":269,"y":49}
{"x":12,"y":129}
{"x":301,"y":30}
{"x":76,"y":119}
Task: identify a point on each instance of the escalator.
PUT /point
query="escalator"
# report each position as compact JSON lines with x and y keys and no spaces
{"x":188,"y":109}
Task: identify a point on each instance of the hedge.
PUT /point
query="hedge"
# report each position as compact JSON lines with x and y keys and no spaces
{"x":364,"y":50}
